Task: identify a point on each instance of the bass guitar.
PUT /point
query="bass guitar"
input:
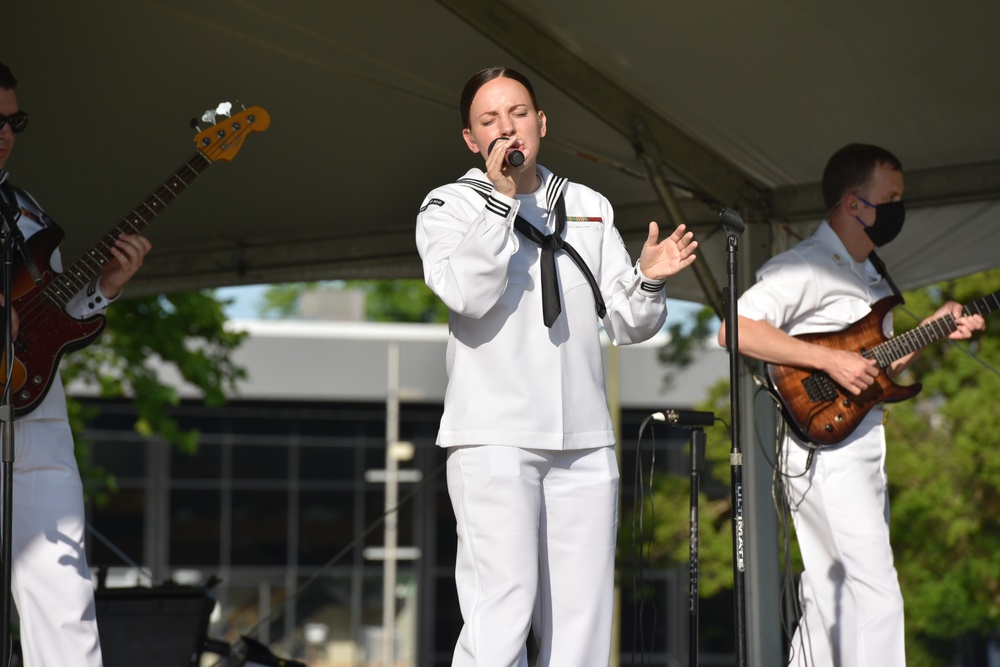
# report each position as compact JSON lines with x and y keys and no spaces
{"x":46,"y":332}
{"x":821,"y":411}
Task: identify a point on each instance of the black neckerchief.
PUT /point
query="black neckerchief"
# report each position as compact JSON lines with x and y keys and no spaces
{"x":551,"y":244}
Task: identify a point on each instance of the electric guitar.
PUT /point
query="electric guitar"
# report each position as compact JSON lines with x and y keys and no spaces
{"x":46,"y":332}
{"x":821,"y":411}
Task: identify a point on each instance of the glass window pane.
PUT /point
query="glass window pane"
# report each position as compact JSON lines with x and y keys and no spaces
{"x":194,"y":527}
{"x":259,"y":527}
{"x":326,"y":526}
{"x":260,"y":462}
{"x":334,"y":463}
{"x":205,"y":464}
{"x":122,"y":522}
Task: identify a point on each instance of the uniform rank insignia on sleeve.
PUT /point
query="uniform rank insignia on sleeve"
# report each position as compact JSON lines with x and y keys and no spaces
{"x":433,"y":202}
{"x":650,"y":287}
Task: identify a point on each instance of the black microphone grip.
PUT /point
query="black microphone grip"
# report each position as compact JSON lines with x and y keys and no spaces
{"x":515,"y":158}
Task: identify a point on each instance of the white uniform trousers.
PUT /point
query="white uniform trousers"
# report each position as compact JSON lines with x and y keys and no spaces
{"x":852,"y":607}
{"x":536,"y":548}
{"x":50,"y":580}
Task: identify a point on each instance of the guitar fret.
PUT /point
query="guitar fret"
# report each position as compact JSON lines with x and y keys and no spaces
{"x":58,"y":292}
{"x":71,"y":280}
{"x":91,"y":264}
{"x":983,"y":305}
{"x":95,"y":260}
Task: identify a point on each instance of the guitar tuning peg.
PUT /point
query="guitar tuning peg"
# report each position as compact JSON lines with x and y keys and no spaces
{"x":224,"y":109}
{"x":194,"y":124}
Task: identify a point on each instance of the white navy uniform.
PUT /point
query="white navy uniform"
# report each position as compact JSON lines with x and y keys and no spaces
{"x":531,"y":466}
{"x":50,"y":579}
{"x":852,"y":607}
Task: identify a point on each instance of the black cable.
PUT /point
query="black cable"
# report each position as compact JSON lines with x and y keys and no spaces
{"x":639,"y":560}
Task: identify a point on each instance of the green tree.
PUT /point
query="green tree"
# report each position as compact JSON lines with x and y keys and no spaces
{"x":407,"y":300}
{"x":944,"y":474}
{"x":144,"y":337}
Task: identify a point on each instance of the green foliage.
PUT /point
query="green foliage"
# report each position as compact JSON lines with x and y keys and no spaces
{"x":687,"y":340}
{"x":385,"y":300}
{"x":282,"y":300}
{"x":944,"y":473}
{"x":400,"y":301}
{"x":144,"y":337}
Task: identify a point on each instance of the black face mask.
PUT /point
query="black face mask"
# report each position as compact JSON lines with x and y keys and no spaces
{"x":888,"y":223}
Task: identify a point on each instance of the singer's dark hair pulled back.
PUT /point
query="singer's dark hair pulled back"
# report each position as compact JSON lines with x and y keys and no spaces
{"x":484,"y":76}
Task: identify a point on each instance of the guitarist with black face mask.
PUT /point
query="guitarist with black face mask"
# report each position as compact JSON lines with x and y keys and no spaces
{"x":852,"y":607}
{"x":51,"y":582}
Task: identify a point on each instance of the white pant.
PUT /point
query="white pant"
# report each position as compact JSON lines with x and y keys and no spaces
{"x":536,"y":548}
{"x":852,"y":607}
{"x":50,"y":580}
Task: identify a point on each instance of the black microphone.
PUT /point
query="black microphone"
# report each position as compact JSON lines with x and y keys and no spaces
{"x":685,"y":417}
{"x":731,"y":221}
{"x":515,"y":158}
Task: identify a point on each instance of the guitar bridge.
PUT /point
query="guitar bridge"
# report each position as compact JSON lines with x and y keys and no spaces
{"x":820,"y":388}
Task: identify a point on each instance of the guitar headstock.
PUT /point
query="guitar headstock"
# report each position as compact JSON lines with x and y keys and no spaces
{"x":223,"y":140}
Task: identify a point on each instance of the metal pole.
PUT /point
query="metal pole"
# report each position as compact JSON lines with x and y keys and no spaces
{"x":391,"y":500}
{"x":698,"y":440}
{"x":733,"y":224}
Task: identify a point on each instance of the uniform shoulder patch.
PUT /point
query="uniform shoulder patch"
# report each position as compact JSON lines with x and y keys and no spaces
{"x":433,"y":202}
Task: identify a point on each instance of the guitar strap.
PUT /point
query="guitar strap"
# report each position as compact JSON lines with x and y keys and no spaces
{"x":884,"y":272}
{"x":30,"y":208}
{"x":8,"y":201}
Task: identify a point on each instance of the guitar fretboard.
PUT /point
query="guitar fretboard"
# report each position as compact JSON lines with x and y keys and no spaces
{"x":924,"y":335}
{"x":92,"y":263}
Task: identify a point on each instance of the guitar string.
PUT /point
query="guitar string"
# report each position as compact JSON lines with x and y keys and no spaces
{"x":965,"y":349}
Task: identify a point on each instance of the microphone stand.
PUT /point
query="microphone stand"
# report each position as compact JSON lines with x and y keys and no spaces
{"x":10,"y":236}
{"x":696,"y":421}
{"x":697,"y":463}
{"x":732,"y":223}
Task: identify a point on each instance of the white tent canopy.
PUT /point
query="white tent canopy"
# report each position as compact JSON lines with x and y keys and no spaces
{"x":735,"y":104}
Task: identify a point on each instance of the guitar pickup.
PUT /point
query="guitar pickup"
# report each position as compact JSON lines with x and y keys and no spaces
{"x":820,"y":388}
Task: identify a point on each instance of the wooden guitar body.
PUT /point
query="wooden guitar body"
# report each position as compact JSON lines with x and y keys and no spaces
{"x":819,"y":410}
{"x":46,"y":332}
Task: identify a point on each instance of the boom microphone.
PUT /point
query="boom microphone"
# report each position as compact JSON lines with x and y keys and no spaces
{"x":685,"y":418}
{"x":515,"y":158}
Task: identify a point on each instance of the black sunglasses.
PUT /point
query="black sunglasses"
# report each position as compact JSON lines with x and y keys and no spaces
{"x":18,"y":121}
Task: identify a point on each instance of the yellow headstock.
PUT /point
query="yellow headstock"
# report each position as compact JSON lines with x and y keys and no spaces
{"x":223,"y":140}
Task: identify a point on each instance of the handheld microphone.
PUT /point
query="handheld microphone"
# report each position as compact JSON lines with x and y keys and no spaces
{"x":685,"y":418}
{"x":515,"y":158}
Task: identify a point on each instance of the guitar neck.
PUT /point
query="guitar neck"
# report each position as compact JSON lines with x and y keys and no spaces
{"x":919,"y":338}
{"x":91,"y":265}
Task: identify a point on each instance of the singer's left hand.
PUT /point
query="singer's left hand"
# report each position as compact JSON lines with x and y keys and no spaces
{"x":661,"y":259}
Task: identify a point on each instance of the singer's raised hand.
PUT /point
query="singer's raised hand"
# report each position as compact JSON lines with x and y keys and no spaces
{"x":661,"y":259}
